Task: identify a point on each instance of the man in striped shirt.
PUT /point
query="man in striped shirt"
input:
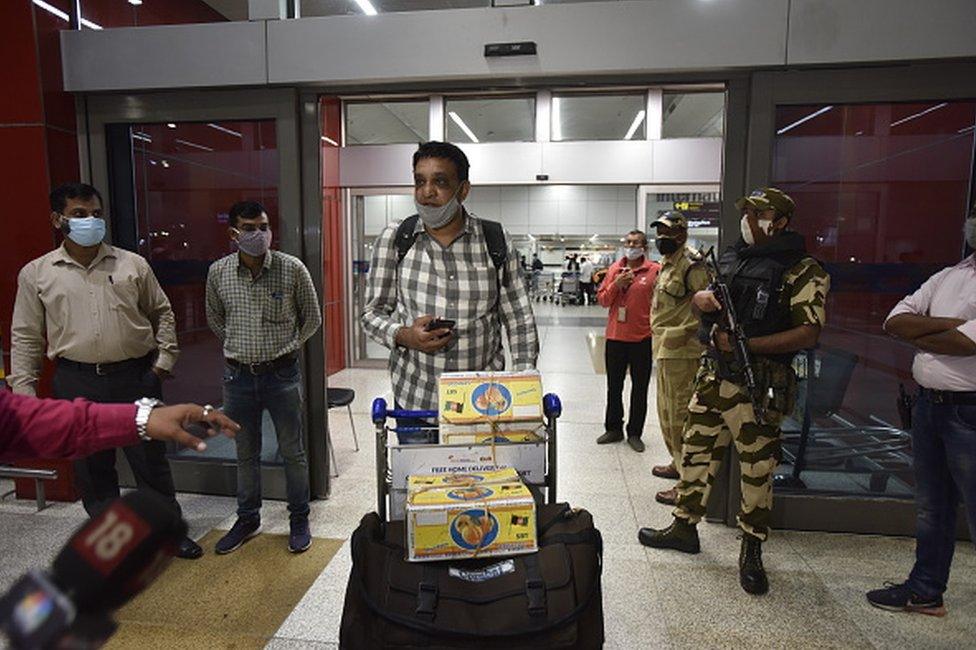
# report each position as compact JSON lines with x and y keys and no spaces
{"x":448,"y":272}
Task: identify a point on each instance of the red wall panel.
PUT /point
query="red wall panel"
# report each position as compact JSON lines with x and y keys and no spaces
{"x":18,"y":51}
{"x":333,"y":260}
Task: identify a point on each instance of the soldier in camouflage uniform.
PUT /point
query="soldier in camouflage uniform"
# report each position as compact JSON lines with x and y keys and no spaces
{"x":675,"y":337}
{"x":779,"y":294}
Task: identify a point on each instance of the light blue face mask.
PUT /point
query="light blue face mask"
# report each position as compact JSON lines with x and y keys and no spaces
{"x":84,"y":231}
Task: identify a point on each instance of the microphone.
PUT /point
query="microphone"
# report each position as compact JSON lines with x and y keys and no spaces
{"x":110,"y":559}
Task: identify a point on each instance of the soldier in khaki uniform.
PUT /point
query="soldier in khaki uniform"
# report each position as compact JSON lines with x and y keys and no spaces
{"x":675,"y":344}
{"x":779,"y":294}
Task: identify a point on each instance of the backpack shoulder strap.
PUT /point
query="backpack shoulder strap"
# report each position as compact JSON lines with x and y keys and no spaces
{"x":405,"y":236}
{"x":497,"y":247}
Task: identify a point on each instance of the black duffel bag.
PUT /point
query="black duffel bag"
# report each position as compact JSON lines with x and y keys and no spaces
{"x":548,"y":599}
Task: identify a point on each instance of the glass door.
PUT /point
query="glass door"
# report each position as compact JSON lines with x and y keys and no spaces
{"x":371,"y":210}
{"x":882,"y":171}
{"x":171,"y":168}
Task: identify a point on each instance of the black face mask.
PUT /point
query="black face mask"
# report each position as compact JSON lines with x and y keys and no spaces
{"x":666,"y":245}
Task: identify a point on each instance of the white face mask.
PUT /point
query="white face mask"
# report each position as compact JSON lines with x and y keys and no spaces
{"x":970,"y":231}
{"x":434,"y":216}
{"x":765,"y":225}
{"x":633,"y":253}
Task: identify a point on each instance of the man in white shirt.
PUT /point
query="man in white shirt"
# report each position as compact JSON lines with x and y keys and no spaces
{"x":586,"y":281}
{"x":940,"y":321}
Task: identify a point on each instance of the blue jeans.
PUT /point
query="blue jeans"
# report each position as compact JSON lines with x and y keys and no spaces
{"x":944,"y":447}
{"x":246,"y":396}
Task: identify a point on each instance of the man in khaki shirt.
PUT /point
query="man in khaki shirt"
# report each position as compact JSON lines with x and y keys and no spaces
{"x":675,"y":337}
{"x":100,"y":314}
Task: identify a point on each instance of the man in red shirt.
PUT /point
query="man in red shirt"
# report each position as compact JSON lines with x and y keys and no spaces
{"x":627,"y":290}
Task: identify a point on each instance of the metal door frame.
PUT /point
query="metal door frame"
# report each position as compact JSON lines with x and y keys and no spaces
{"x":300,"y":235}
{"x":895,"y":83}
{"x":350,"y":194}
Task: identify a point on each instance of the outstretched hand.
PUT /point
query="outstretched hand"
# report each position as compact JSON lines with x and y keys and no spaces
{"x":168,"y":423}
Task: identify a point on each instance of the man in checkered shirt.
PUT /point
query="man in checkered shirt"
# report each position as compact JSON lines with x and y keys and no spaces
{"x":447,"y":273}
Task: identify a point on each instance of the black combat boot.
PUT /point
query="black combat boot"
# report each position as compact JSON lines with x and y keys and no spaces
{"x":752,"y":575}
{"x":680,"y":535}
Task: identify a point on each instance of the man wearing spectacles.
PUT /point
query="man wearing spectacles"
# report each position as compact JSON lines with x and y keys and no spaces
{"x":99,"y":313}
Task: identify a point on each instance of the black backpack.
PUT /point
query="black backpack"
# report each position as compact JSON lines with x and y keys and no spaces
{"x":494,"y":237}
{"x":548,"y":599}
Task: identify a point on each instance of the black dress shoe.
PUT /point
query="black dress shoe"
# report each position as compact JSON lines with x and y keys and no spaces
{"x":189,"y":550}
{"x":636,"y":444}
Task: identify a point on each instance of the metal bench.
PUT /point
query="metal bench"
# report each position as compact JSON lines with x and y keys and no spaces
{"x":38,"y":476}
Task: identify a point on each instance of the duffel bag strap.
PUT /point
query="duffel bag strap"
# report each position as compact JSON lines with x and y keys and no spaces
{"x":427,"y":594}
{"x":564,"y":513}
{"x":535,"y":587}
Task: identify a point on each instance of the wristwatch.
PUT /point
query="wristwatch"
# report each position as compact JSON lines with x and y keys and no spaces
{"x":145,"y":406}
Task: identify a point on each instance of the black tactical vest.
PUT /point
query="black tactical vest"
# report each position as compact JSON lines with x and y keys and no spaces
{"x":755,"y":278}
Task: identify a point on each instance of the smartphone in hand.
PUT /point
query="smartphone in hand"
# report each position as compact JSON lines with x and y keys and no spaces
{"x":439,"y":324}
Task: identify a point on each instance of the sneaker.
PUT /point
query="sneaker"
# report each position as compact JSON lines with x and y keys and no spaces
{"x":636,"y":444}
{"x":610,"y":436}
{"x":242,"y":530}
{"x":680,"y":536}
{"x":299,"y":539}
{"x":899,"y":598}
{"x":752,"y":574}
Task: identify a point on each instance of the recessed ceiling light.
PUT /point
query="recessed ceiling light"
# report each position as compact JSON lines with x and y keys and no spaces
{"x":171,"y":125}
{"x":367,"y":7}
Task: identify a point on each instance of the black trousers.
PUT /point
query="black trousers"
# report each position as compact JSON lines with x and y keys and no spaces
{"x":621,"y":356}
{"x":95,"y":475}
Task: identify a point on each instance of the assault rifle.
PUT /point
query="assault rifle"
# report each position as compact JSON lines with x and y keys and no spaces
{"x":728,"y":321}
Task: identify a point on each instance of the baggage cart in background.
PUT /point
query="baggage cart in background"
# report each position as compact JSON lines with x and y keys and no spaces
{"x":535,"y":461}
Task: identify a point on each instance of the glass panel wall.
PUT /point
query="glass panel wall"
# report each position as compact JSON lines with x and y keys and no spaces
{"x":881,"y":193}
{"x":693,"y":115}
{"x":105,"y":14}
{"x":392,"y":122}
{"x":187,"y":175}
{"x":490,"y":119}
{"x":599,"y":117}
{"x":700,"y":208}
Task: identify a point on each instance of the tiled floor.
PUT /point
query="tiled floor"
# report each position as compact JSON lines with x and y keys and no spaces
{"x":651,"y":598}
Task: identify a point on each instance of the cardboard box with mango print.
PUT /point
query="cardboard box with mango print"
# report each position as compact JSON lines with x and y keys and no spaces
{"x":476,"y":514}
{"x":478,"y":397}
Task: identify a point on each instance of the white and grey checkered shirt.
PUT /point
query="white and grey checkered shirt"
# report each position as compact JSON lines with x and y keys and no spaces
{"x":263,"y":318}
{"x":461,"y":283}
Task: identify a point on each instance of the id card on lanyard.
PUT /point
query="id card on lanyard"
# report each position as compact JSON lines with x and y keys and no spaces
{"x":622,"y":314}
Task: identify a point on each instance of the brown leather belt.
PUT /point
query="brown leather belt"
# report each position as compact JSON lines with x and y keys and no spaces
{"x":262,"y":367}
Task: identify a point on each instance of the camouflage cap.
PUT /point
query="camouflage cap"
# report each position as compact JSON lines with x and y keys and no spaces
{"x":766,"y":198}
{"x":671,"y":219}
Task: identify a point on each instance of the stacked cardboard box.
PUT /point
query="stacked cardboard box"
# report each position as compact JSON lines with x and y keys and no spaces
{"x":477,"y":514}
{"x":484,"y":407}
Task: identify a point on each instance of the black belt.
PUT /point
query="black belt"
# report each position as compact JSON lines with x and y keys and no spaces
{"x":106,"y":368}
{"x":955,"y":398}
{"x":262,"y":367}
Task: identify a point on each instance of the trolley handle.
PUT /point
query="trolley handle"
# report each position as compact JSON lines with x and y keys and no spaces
{"x":380,"y":412}
{"x":552,"y":407}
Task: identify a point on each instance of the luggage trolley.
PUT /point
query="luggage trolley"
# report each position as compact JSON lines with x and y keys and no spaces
{"x":534,"y":461}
